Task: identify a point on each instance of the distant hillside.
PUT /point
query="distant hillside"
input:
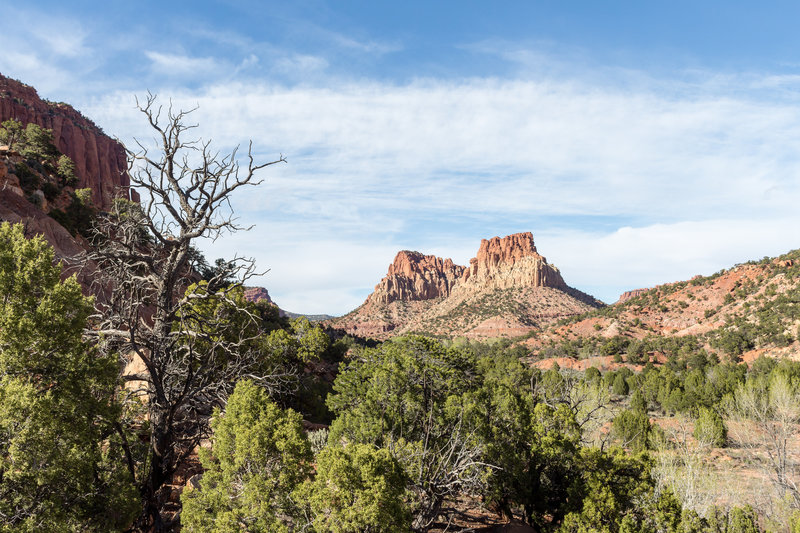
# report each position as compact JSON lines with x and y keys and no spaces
{"x":741,"y":312}
{"x":508,"y":289}
{"x":36,"y":189}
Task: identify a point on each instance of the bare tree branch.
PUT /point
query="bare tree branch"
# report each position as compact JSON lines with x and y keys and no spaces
{"x":145,"y":256}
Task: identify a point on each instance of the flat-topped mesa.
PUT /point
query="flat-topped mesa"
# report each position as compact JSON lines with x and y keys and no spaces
{"x":511,"y":261}
{"x":628,"y":295}
{"x":414,"y":276}
{"x":257,"y":294}
{"x":100,"y":162}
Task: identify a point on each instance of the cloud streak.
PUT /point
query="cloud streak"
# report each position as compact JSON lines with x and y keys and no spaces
{"x":625,"y":177}
{"x":681,"y":177}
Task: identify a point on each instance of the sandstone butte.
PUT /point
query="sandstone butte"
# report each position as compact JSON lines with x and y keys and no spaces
{"x":628,"y":295}
{"x":257,"y":294}
{"x":100,"y":161}
{"x":508,"y":286}
{"x":414,"y":276}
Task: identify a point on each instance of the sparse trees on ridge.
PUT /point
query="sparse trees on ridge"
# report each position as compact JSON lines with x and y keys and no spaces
{"x":193,"y":344}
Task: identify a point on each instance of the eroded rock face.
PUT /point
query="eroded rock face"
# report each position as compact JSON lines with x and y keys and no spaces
{"x":257,"y":294}
{"x":511,"y":261}
{"x":100,"y":161}
{"x":508,"y":289}
{"x":413,"y":276}
{"x":627,"y":295}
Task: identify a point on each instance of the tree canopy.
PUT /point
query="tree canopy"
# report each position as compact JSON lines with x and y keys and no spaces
{"x":61,"y":468}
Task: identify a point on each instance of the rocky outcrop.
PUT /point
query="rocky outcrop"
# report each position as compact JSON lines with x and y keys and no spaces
{"x":507,"y":290}
{"x":511,"y":262}
{"x":413,"y":276}
{"x":257,"y":294}
{"x":627,"y":295}
{"x":100,"y":161}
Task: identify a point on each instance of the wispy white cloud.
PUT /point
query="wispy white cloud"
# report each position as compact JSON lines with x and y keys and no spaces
{"x":708,"y":175}
{"x":182,"y":65}
{"x":634,"y":257}
{"x":688,"y":163}
{"x":300,"y":65}
{"x":371,"y":47}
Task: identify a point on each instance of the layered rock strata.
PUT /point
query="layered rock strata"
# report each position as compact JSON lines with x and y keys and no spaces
{"x":257,"y":294}
{"x":628,"y":295}
{"x":511,"y":262}
{"x":100,"y":161}
{"x":414,"y":276}
{"x":507,"y":289}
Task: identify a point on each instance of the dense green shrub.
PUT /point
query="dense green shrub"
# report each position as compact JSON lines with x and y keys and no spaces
{"x":632,"y":429}
{"x":28,"y":180}
{"x":620,"y":386}
{"x":259,"y":456}
{"x":65,"y":168}
{"x":61,"y":464}
{"x":710,"y":428}
{"x":356,"y":488}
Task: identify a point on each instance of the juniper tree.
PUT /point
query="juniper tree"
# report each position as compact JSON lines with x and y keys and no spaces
{"x":61,"y":469}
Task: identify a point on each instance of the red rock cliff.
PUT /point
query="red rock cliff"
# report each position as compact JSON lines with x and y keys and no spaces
{"x":627,"y":295}
{"x":511,"y":261}
{"x":414,"y":276}
{"x":100,"y":161}
{"x":257,"y":294}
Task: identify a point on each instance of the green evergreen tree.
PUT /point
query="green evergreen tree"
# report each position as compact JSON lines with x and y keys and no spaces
{"x":11,"y":132}
{"x":638,"y":403}
{"x":38,"y":143}
{"x":65,"y":168}
{"x":357,"y":488}
{"x":709,"y":428}
{"x":259,"y":456}
{"x":632,"y":429}
{"x":743,"y":520}
{"x":61,"y":468}
{"x":620,"y":385}
{"x":410,"y":396}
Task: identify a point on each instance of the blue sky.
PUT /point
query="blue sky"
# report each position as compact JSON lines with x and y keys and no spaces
{"x":640,"y":142}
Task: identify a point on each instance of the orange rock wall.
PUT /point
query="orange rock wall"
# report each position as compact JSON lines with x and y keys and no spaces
{"x":100,"y":161}
{"x":413,"y":276}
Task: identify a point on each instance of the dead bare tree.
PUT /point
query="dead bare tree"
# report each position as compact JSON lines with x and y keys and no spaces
{"x":766,"y":422}
{"x":193,"y":345}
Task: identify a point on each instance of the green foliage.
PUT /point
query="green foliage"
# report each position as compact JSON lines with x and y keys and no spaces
{"x":389,"y":391}
{"x":710,"y":428}
{"x":259,"y":456}
{"x":50,"y":190}
{"x":620,"y":386}
{"x":533,"y":445}
{"x":638,"y":403}
{"x":11,"y":132}
{"x":65,"y":168}
{"x":79,"y":215}
{"x":632,"y":429}
{"x":742,"y":520}
{"x":356,"y":488}
{"x":28,"y":180}
{"x":37,"y":143}
{"x":409,"y":395}
{"x":312,"y":342}
{"x":592,"y":373}
{"x":614,"y":493}
{"x":61,"y":468}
